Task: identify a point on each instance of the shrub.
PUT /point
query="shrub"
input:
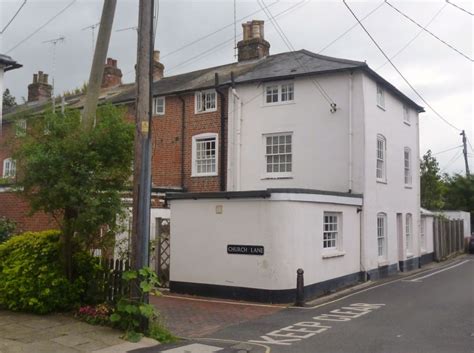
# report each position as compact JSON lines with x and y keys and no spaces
{"x":7,"y":228}
{"x":32,"y":277}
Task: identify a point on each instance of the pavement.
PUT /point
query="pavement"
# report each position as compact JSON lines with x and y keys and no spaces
{"x":427,"y":311}
{"x":59,"y":333}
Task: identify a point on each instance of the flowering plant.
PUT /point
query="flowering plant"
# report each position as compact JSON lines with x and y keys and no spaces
{"x":95,"y":315}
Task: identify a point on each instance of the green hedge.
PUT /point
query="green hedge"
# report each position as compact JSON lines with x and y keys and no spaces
{"x":32,"y":278}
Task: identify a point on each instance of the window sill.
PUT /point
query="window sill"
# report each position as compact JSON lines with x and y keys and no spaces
{"x":204,"y":175}
{"x":381,"y":181}
{"x":277,"y":104}
{"x":205,"y":111}
{"x":330,"y":255}
{"x":407,"y":123}
{"x":276,"y":176}
{"x":157,"y":115}
{"x":383,"y":263}
{"x":380,"y":107}
{"x":408,"y":187}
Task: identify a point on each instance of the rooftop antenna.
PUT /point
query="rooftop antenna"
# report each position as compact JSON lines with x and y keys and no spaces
{"x":235,"y":28}
{"x":54,"y":42}
{"x":92,"y":28}
{"x":135,"y":28}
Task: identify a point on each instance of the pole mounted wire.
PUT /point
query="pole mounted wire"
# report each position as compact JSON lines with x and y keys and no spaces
{"x":11,"y":20}
{"x":459,"y":7}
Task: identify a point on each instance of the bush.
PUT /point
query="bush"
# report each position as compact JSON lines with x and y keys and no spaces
{"x":32,"y":277}
{"x":7,"y":228}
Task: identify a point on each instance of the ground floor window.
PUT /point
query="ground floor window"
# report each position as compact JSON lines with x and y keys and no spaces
{"x":382,"y":235}
{"x":332,"y":230}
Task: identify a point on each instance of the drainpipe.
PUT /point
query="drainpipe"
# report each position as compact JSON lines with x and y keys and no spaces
{"x":350,"y":131}
{"x":222,"y":140}
{"x":183,"y":112}
{"x":237,"y":114}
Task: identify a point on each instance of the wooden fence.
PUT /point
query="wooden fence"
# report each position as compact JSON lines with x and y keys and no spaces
{"x":113,"y":285}
{"x":448,"y":237}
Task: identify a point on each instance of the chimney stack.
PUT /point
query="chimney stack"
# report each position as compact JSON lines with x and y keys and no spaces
{"x":253,"y":45}
{"x":158,"y":68}
{"x":112,"y":74}
{"x":40,"y":90}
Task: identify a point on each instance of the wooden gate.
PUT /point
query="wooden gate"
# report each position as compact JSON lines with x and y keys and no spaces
{"x":163,"y":251}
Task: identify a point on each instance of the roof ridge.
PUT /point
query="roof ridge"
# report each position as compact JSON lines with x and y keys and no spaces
{"x":332,"y":58}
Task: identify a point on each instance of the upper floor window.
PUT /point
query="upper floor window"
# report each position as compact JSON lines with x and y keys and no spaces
{"x":382,"y":235}
{"x":406,"y":115}
{"x":381,"y":158}
{"x":380,"y":96}
{"x":407,"y":165}
{"x":9,"y":168}
{"x":332,"y":231}
{"x":276,"y":93}
{"x":408,"y":232}
{"x":205,"y":101}
{"x":20,"y":128}
{"x":204,"y":161}
{"x":159,"y":105}
{"x":278,"y":154}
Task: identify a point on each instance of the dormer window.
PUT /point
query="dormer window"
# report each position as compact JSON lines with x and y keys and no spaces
{"x":279,"y":93}
{"x":205,"y":101}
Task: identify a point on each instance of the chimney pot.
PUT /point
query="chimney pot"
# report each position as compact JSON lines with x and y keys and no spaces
{"x":35,"y":78}
{"x":45,"y":78}
{"x":112,"y":75}
{"x":158,"y":68}
{"x":39,"y":90}
{"x":253,"y":46}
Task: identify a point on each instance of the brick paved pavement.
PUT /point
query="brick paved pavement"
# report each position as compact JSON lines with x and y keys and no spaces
{"x":187,"y":317}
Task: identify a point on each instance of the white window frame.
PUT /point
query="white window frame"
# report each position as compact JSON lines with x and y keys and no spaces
{"x":332,"y":232}
{"x":381,"y":159}
{"x":20,"y":128}
{"x":380,"y":96}
{"x":199,"y":107}
{"x":275,"y":175}
{"x":382,"y":236}
{"x":196,"y":139}
{"x":409,"y":233}
{"x":279,"y":90}
{"x":156,"y":105}
{"x":406,"y":115}
{"x":407,"y":166}
{"x":9,"y":168}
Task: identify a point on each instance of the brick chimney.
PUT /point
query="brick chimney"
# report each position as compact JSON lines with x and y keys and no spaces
{"x":253,"y":45}
{"x":158,"y":68}
{"x":40,"y":90}
{"x":112,"y":74}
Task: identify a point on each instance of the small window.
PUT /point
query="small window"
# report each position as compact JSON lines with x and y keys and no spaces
{"x":159,"y":105}
{"x":332,"y":231}
{"x":205,"y":101}
{"x":381,"y":163}
{"x":408,"y":232}
{"x":205,"y":155}
{"x":9,"y":168}
{"x":406,"y":115}
{"x":407,"y":165}
{"x":380,"y":96}
{"x":382,"y":235}
{"x":20,"y":128}
{"x":282,"y":93}
{"x":278,"y":154}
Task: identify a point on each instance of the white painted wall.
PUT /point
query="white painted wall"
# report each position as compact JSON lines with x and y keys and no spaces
{"x":465,"y":216}
{"x":429,"y":240}
{"x":290,"y":231}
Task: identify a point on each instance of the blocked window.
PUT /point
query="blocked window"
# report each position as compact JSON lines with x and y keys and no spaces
{"x":159,"y":105}
{"x":205,"y":155}
{"x":407,"y":165}
{"x":406,"y":114}
{"x":381,"y":158}
{"x":331,"y":230}
{"x":9,"y":168}
{"x":380,"y":96}
{"x":205,"y":101}
{"x":278,"y":153}
{"x":382,"y":235}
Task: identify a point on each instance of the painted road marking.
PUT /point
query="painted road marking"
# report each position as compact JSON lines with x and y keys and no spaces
{"x":435,"y":273}
{"x":194,"y":348}
{"x":288,"y":335}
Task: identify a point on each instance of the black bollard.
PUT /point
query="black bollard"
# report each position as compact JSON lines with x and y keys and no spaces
{"x":299,"y":287}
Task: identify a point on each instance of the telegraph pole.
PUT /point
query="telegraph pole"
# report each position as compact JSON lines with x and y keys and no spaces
{"x":98,"y":62}
{"x":464,"y":151}
{"x":142,"y":153}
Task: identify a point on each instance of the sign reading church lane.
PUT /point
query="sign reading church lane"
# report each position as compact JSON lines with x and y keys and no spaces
{"x":245,"y":249}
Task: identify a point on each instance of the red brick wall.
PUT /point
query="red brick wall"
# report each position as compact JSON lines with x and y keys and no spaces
{"x":7,"y":139}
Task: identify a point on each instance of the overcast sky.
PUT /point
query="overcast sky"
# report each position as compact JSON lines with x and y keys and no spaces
{"x":442,"y":76}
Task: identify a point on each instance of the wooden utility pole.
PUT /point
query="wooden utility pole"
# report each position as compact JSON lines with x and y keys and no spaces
{"x":142,"y":153}
{"x":97,"y":69}
{"x":464,"y":151}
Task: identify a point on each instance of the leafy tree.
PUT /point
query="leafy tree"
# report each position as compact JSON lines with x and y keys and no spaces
{"x":7,"y":228}
{"x":77,"y":175}
{"x":8,"y":100}
{"x":459,"y":193}
{"x":432,"y":186}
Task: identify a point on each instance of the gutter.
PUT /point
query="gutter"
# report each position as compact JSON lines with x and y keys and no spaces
{"x":222,"y":133}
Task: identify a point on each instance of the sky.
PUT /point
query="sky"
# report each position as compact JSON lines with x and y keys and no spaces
{"x":442,"y":76}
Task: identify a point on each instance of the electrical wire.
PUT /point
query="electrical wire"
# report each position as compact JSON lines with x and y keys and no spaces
{"x":288,"y":43}
{"x":413,"y":39}
{"x":452,"y":161}
{"x":42,"y":26}
{"x":429,"y":32}
{"x":459,"y":7}
{"x":350,"y":28}
{"x":449,"y":149}
{"x":11,"y":20}
{"x":398,"y":71}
